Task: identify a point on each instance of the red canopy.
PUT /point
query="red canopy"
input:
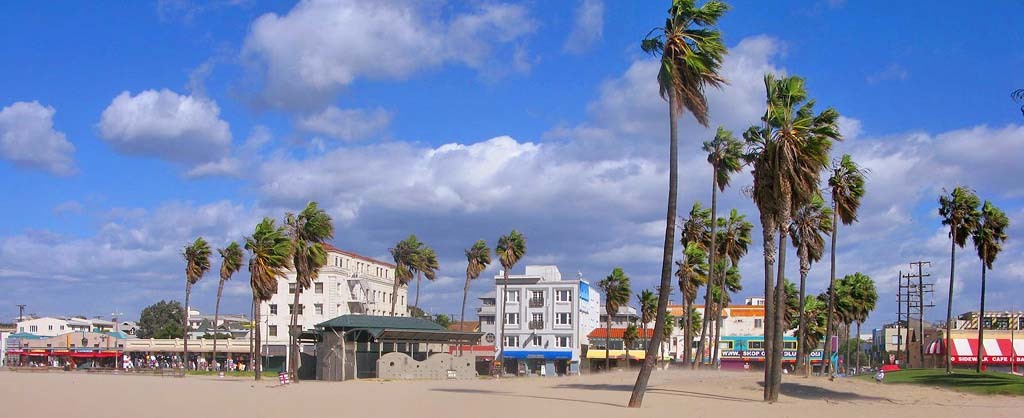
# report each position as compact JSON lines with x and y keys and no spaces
{"x":997,"y":351}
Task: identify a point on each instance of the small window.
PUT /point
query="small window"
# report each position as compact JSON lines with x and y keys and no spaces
{"x":896,"y":339}
{"x":755,"y":345}
{"x":291,"y":309}
{"x":563,"y":318}
{"x":512,"y":296}
{"x":789,"y":345}
{"x":725,"y":345}
{"x":512,"y":341}
{"x":564,"y":295}
{"x":50,"y":327}
{"x":758,"y":323}
{"x":537,"y":317}
{"x":511,"y":319}
{"x":318,"y":287}
{"x":272,"y":331}
{"x":318,"y":308}
{"x":291,"y":288}
{"x":563,"y":341}
{"x":33,"y":328}
{"x":62,"y":328}
{"x":273,"y":309}
{"x":537,"y":341}
{"x":489,"y":320}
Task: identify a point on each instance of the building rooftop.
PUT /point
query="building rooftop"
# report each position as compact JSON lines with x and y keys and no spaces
{"x":618,"y":333}
{"x":332,"y":248}
{"x":380,"y":322}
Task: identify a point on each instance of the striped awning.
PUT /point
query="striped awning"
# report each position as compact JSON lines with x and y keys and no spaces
{"x":996,"y":351}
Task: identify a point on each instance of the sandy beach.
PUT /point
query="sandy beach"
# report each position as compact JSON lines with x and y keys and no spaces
{"x":698,"y":394}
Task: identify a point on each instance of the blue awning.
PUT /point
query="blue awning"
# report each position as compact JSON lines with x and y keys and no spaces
{"x":539,"y":354}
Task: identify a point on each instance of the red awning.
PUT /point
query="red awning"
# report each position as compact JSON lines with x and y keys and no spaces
{"x":997,"y":351}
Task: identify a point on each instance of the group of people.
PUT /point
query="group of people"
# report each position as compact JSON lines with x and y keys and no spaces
{"x":154,"y":361}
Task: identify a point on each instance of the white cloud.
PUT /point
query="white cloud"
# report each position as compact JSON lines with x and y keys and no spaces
{"x":27,"y":139}
{"x":892,"y":72}
{"x":346,"y":124}
{"x":234,"y":165}
{"x":320,"y":47}
{"x":587,"y":28}
{"x":166,"y":125}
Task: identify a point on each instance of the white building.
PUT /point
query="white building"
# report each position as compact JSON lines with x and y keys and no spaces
{"x":349,"y":284}
{"x":547,"y":320}
{"x":3,"y":347}
{"x":51,"y":326}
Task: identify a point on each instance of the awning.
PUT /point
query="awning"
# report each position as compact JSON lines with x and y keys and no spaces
{"x":598,"y":353}
{"x":538,"y":354}
{"x":997,"y":351}
{"x":935,"y":347}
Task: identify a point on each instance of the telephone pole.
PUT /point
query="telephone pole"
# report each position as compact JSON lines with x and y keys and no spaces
{"x":21,"y":313}
{"x":912,"y":289}
{"x":922,"y":288}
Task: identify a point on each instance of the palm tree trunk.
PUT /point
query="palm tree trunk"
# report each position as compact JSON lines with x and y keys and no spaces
{"x":252,"y":317}
{"x":826,"y":360}
{"x":293,"y":337}
{"x":216,"y":318}
{"x":258,"y":351}
{"x":718,"y":334}
{"x":859,"y":347}
{"x":417,"y":305}
{"x":462,"y":316}
{"x":768,"y":242}
{"x":687,"y":334}
{"x":184,"y":353}
{"x":704,"y":321}
{"x":949,"y":303}
{"x":640,"y":388}
{"x":780,"y":314}
{"x":394,"y":293}
{"x":504,"y":313}
{"x":981,"y":313}
{"x":608,"y":342}
{"x":712,"y":255}
{"x":802,"y":327}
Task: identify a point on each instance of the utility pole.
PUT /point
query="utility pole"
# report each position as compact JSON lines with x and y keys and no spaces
{"x":922,"y":287}
{"x":21,"y":313}
{"x":899,"y":313}
{"x":912,"y":289}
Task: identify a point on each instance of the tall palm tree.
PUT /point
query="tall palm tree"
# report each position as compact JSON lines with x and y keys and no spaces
{"x":629,"y":338}
{"x":959,"y":211}
{"x":648,"y":303}
{"x":425,"y":264}
{"x":666,"y":333}
{"x":988,"y":235}
{"x":616,"y":294}
{"x":271,"y":256}
{"x":809,"y":223}
{"x":813,"y":309}
{"x":864,"y":296}
{"x":696,"y":230}
{"x":847,"y":188}
{"x":309,"y":230}
{"x":197,"y":263}
{"x":733,"y":241}
{"x":692,"y":273}
{"x":691,"y":50}
{"x":231,"y":261}
{"x":787,"y":154}
{"x":404,"y":253}
{"x":730,"y":283}
{"x":478,"y":257}
{"x":510,"y":249}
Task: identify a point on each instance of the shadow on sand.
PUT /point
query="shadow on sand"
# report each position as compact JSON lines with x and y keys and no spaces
{"x":517,"y":395}
{"x":654,"y":390}
{"x":810,"y":392}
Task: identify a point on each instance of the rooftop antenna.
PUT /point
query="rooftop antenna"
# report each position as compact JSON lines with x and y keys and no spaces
{"x":21,"y":313}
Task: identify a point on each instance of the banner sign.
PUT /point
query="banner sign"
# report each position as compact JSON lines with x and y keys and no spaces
{"x":759,"y":354}
{"x":987,"y":359}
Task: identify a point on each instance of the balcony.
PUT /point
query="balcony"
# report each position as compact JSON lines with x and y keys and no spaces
{"x":485,"y":310}
{"x":536,"y":325}
{"x":536,"y":303}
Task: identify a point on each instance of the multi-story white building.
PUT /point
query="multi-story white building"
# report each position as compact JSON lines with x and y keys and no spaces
{"x":50,"y":326}
{"x":546,"y":321}
{"x":349,"y":284}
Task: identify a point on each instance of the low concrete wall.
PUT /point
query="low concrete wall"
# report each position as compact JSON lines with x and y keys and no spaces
{"x":437,"y":367}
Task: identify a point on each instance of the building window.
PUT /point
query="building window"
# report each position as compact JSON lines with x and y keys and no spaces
{"x":563,"y":295}
{"x":318,"y":308}
{"x":273,"y":309}
{"x":33,"y":328}
{"x":563,"y":318}
{"x":758,"y":323}
{"x":50,"y":327}
{"x":318,"y":287}
{"x":537,"y":341}
{"x":896,"y":339}
{"x":291,"y":288}
{"x":789,"y":345}
{"x":537,"y":321}
{"x":563,"y":341}
{"x":272,"y":331}
{"x":755,"y":345}
{"x":536,"y":298}
{"x":511,"y":319}
{"x":489,"y":320}
{"x":512,"y":296}
{"x":291,"y":309}
{"x":512,"y":341}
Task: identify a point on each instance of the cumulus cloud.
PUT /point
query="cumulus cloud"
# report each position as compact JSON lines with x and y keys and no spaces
{"x":892,"y":72}
{"x":587,"y":28}
{"x":28,"y":139}
{"x":346,"y":124}
{"x":167,"y":125}
{"x":242,"y":157}
{"x":319,"y":47}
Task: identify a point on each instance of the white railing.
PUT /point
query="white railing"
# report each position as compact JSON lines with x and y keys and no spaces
{"x":194,"y":346}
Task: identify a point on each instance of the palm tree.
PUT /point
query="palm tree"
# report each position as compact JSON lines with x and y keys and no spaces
{"x":730,"y":283}
{"x":787,"y":154}
{"x":404,"y":253}
{"x":666,"y":333}
{"x":1018,"y":96}
{"x":477,"y":258}
{"x":857,"y":298}
{"x":959,"y":211}
{"x":616,"y":293}
{"x":733,"y":241}
{"x":696,"y":230}
{"x":308,"y":230}
{"x":847,"y":186}
{"x":271,"y":251}
{"x":231,"y":261}
{"x":648,"y":303}
{"x":813,"y":309}
{"x":510,"y":249}
{"x":988,"y":235}
{"x":692,"y":273}
{"x":629,"y":338}
{"x":809,"y":223}
{"x":197,"y":263}
{"x":691,"y":50}
{"x":425,"y":265}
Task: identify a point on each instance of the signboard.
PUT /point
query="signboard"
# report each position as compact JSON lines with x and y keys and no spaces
{"x":987,"y":359}
{"x":789,"y":355}
{"x":584,"y":291}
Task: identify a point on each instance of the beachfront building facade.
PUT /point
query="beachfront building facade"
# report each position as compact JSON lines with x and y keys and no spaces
{"x":547,"y":320}
{"x":1002,"y":348}
{"x":349,"y":283}
{"x":51,"y":326}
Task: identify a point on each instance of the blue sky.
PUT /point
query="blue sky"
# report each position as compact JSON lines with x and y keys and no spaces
{"x":127,"y":130}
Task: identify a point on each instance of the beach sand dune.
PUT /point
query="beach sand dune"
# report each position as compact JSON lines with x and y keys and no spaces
{"x":673,"y":393}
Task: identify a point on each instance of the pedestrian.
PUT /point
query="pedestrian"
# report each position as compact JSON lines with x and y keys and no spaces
{"x":880,"y":376}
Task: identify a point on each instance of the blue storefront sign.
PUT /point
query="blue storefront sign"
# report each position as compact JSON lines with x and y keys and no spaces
{"x":584,"y":291}
{"x":538,"y":354}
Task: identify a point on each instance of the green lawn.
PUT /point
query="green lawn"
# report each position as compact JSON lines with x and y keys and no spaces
{"x":272,"y":374}
{"x":965,"y":381}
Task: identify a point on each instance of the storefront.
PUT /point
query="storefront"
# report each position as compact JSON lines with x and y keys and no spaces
{"x":538,"y":362}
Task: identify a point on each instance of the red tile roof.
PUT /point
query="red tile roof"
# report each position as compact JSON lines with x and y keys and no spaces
{"x":332,"y":248}
{"x":617,"y":333}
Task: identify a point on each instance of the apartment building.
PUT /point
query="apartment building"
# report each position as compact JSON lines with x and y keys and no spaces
{"x":51,"y":326}
{"x":546,"y":322}
{"x":349,"y":283}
